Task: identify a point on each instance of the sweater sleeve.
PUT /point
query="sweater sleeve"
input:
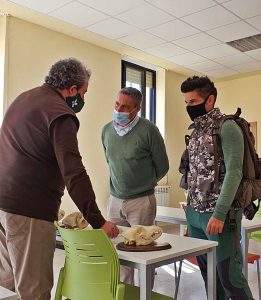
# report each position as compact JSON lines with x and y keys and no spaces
{"x":103,"y":141}
{"x":65,"y":143}
{"x":232,"y":142}
{"x":159,"y":154}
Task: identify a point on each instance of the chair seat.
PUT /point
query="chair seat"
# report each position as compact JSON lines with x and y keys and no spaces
{"x":133,"y":293}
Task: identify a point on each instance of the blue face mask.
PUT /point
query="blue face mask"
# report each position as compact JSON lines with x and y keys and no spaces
{"x":76,"y":103}
{"x":121,"y":117}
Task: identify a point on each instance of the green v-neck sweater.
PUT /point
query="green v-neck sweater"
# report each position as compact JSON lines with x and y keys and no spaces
{"x":137,"y":160}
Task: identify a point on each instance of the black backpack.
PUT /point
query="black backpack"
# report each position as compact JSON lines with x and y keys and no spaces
{"x":249,"y":189}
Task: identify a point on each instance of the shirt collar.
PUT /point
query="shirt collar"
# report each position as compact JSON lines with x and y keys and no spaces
{"x":122,"y":130}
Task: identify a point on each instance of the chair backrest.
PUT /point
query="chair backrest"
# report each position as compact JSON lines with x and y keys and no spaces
{"x":91,"y":268}
{"x":256,"y":235}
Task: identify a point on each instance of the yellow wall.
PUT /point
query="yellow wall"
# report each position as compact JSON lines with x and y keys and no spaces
{"x":32,"y":50}
{"x":246,"y":94}
{"x":160,"y":101}
{"x":176,"y":127}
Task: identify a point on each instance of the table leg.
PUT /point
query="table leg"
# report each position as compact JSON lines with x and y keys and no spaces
{"x":244,"y":247}
{"x":177,"y":278}
{"x":181,"y":229}
{"x":211,"y":262}
{"x":145,"y":282}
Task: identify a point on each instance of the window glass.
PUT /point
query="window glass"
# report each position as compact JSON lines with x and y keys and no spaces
{"x":144,"y":80}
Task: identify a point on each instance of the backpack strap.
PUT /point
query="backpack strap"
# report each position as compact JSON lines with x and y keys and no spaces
{"x":233,"y":227}
{"x":216,"y":168}
{"x":187,"y":138}
{"x":252,"y":209}
{"x":216,"y":137}
{"x":238,"y":112}
{"x":184,"y":165}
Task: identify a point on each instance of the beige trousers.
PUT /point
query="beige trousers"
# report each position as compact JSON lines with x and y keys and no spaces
{"x":138,"y":211}
{"x":26,"y":256}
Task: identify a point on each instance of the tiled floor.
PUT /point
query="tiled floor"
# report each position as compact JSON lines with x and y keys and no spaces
{"x":191,"y":284}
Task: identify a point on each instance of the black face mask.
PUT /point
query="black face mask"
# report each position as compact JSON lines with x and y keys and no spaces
{"x":76,"y":103}
{"x":196,"y":111}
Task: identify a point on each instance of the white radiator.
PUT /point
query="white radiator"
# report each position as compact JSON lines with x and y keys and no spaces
{"x":162,"y":195}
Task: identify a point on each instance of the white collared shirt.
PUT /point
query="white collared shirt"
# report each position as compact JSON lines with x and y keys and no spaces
{"x":122,"y":130}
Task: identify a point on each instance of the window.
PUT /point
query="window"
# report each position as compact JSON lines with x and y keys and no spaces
{"x":144,"y":80}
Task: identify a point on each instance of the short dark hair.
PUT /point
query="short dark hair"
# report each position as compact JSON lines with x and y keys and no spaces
{"x":66,"y":73}
{"x":203,"y":85}
{"x":135,"y":94}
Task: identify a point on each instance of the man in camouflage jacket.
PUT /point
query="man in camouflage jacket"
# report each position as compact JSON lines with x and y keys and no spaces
{"x":208,"y":201}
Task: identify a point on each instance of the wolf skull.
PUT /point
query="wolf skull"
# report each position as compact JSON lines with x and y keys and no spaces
{"x":141,"y":235}
{"x":75,"y":220}
{"x":61,"y":214}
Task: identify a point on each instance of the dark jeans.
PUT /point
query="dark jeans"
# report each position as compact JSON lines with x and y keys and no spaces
{"x":231,"y":282}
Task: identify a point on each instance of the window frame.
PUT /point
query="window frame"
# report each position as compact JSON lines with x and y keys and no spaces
{"x":143,"y":70}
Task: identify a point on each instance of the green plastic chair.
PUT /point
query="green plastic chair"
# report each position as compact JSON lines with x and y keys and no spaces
{"x":91,"y":269}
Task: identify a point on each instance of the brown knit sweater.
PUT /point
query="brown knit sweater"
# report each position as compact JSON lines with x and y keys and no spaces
{"x":39,"y":155}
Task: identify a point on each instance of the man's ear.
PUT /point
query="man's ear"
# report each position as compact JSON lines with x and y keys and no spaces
{"x":211,"y":101}
{"x":72,"y":90}
{"x":209,"y":104}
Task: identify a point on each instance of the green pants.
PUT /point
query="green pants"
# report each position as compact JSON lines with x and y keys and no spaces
{"x":231,"y":282}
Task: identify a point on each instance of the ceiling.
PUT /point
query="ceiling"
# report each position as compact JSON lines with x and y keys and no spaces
{"x":190,"y":34}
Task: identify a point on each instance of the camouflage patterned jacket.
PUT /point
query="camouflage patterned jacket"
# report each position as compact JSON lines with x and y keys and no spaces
{"x":201,"y":187}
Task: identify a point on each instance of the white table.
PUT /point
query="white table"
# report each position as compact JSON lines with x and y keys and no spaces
{"x":246,"y":228}
{"x":177,"y":216}
{"x":182,"y":248}
{"x":5,"y":294}
{"x":172,"y":215}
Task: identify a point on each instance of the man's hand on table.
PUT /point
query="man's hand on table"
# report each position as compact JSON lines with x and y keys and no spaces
{"x":110,"y":229}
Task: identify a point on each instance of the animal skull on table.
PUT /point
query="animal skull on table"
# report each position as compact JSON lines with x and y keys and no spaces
{"x":61,"y":214}
{"x":141,"y":235}
{"x":75,"y":220}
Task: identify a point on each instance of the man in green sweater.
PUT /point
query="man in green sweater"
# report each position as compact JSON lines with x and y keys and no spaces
{"x":137,"y":159}
{"x":208,"y":204}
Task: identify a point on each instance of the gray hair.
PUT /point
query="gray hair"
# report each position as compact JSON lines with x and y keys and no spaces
{"x":135,"y":94}
{"x":66,"y":73}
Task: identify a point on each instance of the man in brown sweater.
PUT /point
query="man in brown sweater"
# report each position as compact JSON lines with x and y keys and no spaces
{"x":39,"y":156}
